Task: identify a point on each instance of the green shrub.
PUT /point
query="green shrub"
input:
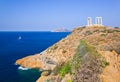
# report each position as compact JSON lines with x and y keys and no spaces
{"x":104,"y":31}
{"x":103,"y":35}
{"x":64,"y":51}
{"x":104,"y":63}
{"x":110,"y":31}
{"x":65,"y":69}
{"x":55,"y":47}
{"x":88,"y":32}
{"x":69,"y":80}
{"x":116,"y":30}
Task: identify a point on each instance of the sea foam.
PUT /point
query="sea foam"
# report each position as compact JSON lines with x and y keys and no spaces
{"x":22,"y":68}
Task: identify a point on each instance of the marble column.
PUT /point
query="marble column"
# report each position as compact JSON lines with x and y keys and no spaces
{"x":89,"y":21}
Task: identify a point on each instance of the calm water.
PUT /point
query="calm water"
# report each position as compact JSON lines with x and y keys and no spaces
{"x":13,"y":48}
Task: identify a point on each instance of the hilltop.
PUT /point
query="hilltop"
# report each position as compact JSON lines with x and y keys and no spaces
{"x":88,"y":54}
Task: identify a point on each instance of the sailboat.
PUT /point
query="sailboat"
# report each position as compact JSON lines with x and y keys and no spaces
{"x":19,"y":38}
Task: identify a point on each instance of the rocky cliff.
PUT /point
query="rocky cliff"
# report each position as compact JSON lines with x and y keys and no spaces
{"x":88,"y":54}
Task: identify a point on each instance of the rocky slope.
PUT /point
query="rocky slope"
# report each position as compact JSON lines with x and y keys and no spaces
{"x":94,"y":52}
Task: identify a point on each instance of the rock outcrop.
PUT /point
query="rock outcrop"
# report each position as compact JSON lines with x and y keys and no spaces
{"x":112,"y":72}
{"x":106,"y":42}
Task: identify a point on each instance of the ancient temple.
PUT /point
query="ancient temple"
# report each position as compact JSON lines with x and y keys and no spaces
{"x":98,"y":21}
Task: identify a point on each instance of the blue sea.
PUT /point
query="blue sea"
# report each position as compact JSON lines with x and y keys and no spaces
{"x":15,"y":45}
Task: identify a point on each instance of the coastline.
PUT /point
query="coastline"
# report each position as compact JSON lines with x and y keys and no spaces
{"x":65,"y":49}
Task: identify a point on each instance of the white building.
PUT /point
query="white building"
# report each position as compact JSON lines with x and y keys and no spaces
{"x":98,"y":21}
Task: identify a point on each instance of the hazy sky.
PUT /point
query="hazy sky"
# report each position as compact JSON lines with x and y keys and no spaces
{"x":38,"y":15}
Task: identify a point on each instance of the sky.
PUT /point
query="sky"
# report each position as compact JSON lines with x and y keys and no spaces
{"x":45,"y":15}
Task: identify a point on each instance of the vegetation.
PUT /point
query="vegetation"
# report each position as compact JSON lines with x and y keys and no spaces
{"x":87,"y":63}
{"x":65,"y":69}
{"x":103,"y":34}
{"x":104,"y":31}
{"x":55,"y":47}
{"x":111,"y":31}
{"x":69,"y":80}
{"x":104,"y":63}
{"x":86,"y":60}
{"x":81,"y":51}
{"x":62,"y":69}
{"x":88,"y":33}
{"x":116,"y":30}
{"x":64,"y":51}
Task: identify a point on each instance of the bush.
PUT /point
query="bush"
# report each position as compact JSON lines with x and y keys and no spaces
{"x":110,"y":31}
{"x":62,"y":69}
{"x":55,"y":47}
{"x":88,"y":32}
{"x":103,"y":35}
{"x":104,"y":63}
{"x":64,"y":51}
{"x":116,"y":30}
{"x":65,"y":69}
{"x":104,"y":31}
{"x":69,"y":80}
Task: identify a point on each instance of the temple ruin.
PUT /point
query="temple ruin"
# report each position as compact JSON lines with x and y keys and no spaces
{"x":98,"y":21}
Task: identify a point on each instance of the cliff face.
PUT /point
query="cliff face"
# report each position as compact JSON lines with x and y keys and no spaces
{"x":103,"y":67}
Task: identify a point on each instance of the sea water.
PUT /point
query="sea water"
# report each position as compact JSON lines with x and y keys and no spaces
{"x":15,"y":45}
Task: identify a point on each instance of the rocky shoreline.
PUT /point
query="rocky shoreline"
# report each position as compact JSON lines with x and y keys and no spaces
{"x":106,"y":41}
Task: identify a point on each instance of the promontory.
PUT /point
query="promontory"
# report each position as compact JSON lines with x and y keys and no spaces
{"x":88,"y":54}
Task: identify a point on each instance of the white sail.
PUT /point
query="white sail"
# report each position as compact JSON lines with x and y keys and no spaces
{"x":19,"y":37}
